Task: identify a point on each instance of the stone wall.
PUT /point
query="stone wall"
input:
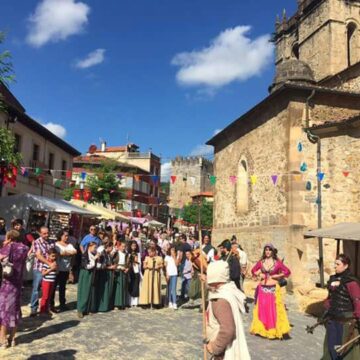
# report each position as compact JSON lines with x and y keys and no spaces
{"x":192,"y":177}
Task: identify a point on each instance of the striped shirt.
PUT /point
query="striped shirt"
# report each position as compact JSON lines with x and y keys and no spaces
{"x":51,"y":276}
{"x":42,"y":246}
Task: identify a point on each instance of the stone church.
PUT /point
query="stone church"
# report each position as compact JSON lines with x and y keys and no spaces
{"x":296,"y":154}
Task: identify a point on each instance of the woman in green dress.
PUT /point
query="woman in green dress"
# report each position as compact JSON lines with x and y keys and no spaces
{"x":87,"y":280}
{"x":120,"y":293}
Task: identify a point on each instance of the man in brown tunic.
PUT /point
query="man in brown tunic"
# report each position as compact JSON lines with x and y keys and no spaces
{"x":225,"y":332}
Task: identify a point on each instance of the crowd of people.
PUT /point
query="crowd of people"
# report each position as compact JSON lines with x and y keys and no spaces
{"x":120,"y":270}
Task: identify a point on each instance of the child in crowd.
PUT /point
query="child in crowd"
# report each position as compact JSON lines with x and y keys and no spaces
{"x":171,"y":265}
{"x":187,"y":274}
{"x":134,"y":273}
{"x":48,"y":281}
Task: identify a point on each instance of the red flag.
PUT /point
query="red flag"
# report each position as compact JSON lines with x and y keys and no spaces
{"x":77,"y":194}
{"x":173,"y":179}
{"x":346,"y":173}
{"x":68,"y":174}
{"x":87,"y":195}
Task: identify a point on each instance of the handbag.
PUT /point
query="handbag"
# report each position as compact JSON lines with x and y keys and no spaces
{"x":282,"y":282}
{"x":7,"y":265}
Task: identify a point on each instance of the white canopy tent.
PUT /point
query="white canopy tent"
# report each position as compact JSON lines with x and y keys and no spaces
{"x":20,"y":206}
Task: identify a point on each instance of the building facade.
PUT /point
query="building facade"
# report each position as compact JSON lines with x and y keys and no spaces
{"x":39,"y":148}
{"x":191,"y":176}
{"x":137,"y":170}
{"x":296,"y":154}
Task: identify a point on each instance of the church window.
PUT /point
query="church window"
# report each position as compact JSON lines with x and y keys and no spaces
{"x":351,"y":43}
{"x":242,"y":187}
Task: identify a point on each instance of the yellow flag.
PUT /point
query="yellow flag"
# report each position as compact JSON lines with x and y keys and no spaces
{"x":253,"y":179}
{"x":297,"y":177}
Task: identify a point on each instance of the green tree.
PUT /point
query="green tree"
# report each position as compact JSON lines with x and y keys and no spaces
{"x":8,"y":155}
{"x":191,"y":213}
{"x":103,"y":184}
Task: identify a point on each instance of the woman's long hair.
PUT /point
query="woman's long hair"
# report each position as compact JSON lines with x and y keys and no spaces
{"x":137,"y":247}
{"x":60,"y":234}
{"x":274,"y":253}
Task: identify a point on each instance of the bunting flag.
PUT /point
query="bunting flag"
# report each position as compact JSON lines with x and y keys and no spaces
{"x":58,"y":183}
{"x":308,"y":186}
{"x":155,"y":178}
{"x":253,"y":179}
{"x":38,"y":171}
{"x":184,"y":178}
{"x":83,"y":175}
{"x":346,"y":173}
{"x":320,"y":176}
{"x":212,"y":180}
{"x":300,"y":146}
{"x":137,"y":178}
{"x":86,"y":195}
{"x":53,"y":173}
{"x":41,"y":179}
{"x":173,"y":179}
{"x":192,"y":180}
{"x":233,"y":179}
{"x":24,"y":171}
{"x":303,"y":167}
{"x":68,"y":174}
{"x":297,"y":177}
{"x":274,"y":179}
{"x":77,"y":194}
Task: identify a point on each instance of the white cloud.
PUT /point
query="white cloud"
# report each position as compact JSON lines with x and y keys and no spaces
{"x":55,"y":20}
{"x":202,"y":150}
{"x":56,"y":129}
{"x":217,"y":131}
{"x":94,"y":58}
{"x":165,"y":171}
{"x":231,"y":56}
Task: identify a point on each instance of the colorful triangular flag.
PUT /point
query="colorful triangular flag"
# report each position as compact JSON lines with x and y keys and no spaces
{"x":83,"y":175}
{"x":155,"y":178}
{"x":346,"y":173}
{"x":233,"y":179}
{"x":38,"y":171}
{"x":212,"y":180}
{"x":320,"y":176}
{"x":173,"y":179}
{"x":68,"y":174}
{"x":253,"y":179}
{"x":274,"y":179}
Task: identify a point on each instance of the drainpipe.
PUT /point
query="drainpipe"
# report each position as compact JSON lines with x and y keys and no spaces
{"x":314,"y":139}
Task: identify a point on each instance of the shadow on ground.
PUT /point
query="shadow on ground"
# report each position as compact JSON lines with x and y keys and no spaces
{"x":58,"y":355}
{"x":46,"y":331}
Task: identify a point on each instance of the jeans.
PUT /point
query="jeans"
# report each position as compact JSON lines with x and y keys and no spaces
{"x":172,"y":289}
{"x":37,"y":278}
{"x":61,"y":280}
{"x":185,"y":287}
{"x":334,"y":332}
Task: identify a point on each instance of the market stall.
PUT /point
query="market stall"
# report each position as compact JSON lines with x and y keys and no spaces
{"x":39,"y":211}
{"x":347,"y":236}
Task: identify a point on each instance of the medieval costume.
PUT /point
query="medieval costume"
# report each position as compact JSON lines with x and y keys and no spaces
{"x":343,"y":316}
{"x":105,"y":283}
{"x":120,"y":293}
{"x":195,"y":282}
{"x":225,"y":330}
{"x":86,"y":287}
{"x":209,"y":252}
{"x":134,"y":278}
{"x":269,"y":316}
{"x":150,"y":293}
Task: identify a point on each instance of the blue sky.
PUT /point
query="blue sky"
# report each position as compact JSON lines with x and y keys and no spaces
{"x":166,"y":73}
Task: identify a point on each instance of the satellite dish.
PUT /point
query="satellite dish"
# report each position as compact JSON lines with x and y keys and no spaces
{"x":92,"y":149}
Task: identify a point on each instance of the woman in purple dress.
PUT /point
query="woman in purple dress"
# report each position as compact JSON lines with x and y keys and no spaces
{"x":10,"y":291}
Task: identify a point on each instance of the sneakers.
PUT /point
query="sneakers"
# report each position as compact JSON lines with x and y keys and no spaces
{"x":171,"y":305}
{"x":174,"y":307}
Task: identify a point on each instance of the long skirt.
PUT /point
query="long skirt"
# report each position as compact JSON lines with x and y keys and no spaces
{"x":10,"y":309}
{"x":103,"y":301}
{"x":269,"y":316}
{"x":86,"y":300}
{"x":338,"y":333}
{"x":195,"y":287}
{"x":147,"y":286}
{"x":120,"y":289}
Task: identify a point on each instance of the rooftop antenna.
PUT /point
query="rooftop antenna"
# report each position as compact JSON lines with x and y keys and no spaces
{"x":127,"y":139}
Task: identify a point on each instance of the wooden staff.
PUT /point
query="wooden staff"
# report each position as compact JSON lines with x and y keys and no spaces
{"x":202,"y":282}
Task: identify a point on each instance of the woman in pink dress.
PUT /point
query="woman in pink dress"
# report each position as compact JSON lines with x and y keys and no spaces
{"x":269,"y":316}
{"x":10,"y":291}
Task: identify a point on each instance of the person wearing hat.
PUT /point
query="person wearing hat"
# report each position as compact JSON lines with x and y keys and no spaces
{"x":225,"y":331}
{"x":234,"y":264}
{"x":269,"y":315}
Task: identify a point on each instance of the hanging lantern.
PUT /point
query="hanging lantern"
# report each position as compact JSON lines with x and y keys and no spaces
{"x":87,"y":195}
{"x":77,"y":194}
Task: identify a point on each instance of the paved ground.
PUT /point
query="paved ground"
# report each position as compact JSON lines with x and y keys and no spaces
{"x":145,"y":334}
